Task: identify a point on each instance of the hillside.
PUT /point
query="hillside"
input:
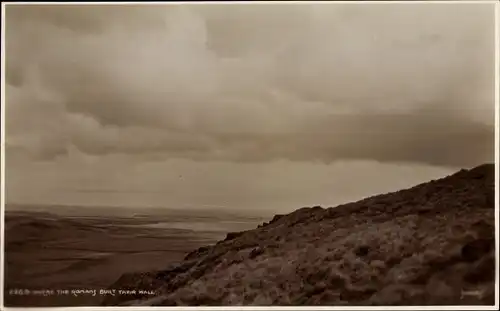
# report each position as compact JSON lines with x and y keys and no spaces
{"x":432,"y":244}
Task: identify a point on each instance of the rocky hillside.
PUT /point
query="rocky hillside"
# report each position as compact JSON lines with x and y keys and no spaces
{"x":433,"y":244}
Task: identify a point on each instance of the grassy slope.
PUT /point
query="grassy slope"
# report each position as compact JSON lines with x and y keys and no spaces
{"x":431,"y":244}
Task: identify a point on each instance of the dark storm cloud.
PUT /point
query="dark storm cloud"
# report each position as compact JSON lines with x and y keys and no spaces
{"x":321,"y":82}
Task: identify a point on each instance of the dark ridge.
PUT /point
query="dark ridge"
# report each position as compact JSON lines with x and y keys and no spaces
{"x":233,"y":235}
{"x":432,"y":244}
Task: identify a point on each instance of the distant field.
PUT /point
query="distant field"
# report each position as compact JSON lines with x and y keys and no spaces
{"x":49,"y":251}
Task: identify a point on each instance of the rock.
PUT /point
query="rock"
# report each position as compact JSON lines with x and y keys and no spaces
{"x":200,"y":251}
{"x":474,"y":250}
{"x":256,"y":252}
{"x":362,"y":251}
{"x":232,"y":235}
{"x":276,"y":218}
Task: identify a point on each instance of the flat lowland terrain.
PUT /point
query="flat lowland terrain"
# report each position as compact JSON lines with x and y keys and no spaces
{"x":45,"y":251}
{"x":432,"y":244}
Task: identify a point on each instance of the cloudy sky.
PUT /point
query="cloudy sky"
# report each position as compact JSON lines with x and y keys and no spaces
{"x":243,"y":106}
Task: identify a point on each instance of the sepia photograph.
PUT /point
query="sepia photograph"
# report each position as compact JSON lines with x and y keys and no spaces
{"x":252,"y":153}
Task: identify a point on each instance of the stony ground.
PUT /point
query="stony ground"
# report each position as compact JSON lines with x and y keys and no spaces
{"x":432,"y":244}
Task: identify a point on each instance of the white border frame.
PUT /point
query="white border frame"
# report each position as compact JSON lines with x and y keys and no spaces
{"x":497,"y":152}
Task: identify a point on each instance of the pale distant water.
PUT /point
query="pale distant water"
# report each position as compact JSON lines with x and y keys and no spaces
{"x":154,"y":218}
{"x":205,"y":226}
